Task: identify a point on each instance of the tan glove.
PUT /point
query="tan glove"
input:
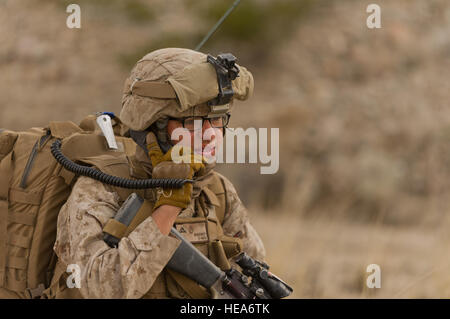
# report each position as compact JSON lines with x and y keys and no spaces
{"x":164,"y":167}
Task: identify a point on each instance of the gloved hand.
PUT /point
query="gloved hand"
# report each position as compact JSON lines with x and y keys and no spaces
{"x":164,"y":167}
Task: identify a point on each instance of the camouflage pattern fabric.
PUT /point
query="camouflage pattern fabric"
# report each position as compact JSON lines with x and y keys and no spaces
{"x":130,"y":270}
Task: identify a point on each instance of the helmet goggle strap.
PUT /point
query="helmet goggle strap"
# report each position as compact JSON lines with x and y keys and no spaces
{"x":162,"y":135}
{"x":160,"y":130}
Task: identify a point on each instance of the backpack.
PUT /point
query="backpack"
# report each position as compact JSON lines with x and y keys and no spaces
{"x":33,"y":188}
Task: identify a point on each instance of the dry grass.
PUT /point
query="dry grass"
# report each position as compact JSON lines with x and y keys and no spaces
{"x":323,"y":258}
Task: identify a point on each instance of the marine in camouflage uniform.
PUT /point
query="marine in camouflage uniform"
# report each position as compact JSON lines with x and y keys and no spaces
{"x":135,"y":269}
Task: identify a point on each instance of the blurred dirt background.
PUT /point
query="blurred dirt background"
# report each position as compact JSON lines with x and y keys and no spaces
{"x":363,"y":115}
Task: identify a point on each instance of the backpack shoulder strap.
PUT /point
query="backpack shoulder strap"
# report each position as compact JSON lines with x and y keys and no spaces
{"x":7,"y":141}
{"x":64,"y":129}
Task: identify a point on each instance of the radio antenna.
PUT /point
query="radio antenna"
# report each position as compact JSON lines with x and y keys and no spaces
{"x":217,"y":25}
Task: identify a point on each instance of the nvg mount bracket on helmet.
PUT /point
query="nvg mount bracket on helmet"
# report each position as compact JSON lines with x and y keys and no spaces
{"x":226,"y":70}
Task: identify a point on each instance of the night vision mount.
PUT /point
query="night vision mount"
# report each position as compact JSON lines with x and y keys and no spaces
{"x":227,"y":71}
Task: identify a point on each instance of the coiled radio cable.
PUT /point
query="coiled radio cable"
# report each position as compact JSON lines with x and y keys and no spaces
{"x":113,"y":180}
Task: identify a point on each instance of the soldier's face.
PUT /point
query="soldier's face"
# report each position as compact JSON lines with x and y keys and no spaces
{"x":208,"y":136}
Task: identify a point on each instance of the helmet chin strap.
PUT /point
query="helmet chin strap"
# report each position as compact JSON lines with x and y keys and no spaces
{"x":160,"y":129}
{"x":139,"y":137}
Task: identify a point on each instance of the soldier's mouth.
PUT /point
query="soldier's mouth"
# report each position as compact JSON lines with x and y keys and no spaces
{"x":208,"y":150}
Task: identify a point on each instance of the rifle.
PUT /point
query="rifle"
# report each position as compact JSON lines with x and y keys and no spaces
{"x":230,"y":284}
{"x":190,"y":262}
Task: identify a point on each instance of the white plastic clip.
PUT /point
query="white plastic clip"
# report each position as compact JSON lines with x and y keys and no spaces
{"x":104,"y":122}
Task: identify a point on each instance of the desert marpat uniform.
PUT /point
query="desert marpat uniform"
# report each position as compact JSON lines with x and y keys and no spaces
{"x":131,"y":270}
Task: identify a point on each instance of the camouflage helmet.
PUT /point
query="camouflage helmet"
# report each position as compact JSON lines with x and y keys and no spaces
{"x":177,"y":82}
